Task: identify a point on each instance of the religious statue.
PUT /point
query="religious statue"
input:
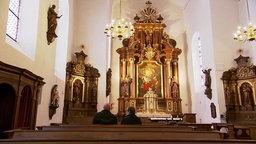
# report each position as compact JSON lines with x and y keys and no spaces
{"x":125,"y":89}
{"x":77,"y":97}
{"x":52,"y":24}
{"x":213,"y":110}
{"x":108,"y":80}
{"x":55,"y":96}
{"x":54,"y":104}
{"x":94,"y":91}
{"x":150,"y":101}
{"x":148,"y":38}
{"x":208,"y":79}
{"x":207,"y":83}
{"x":174,"y":90}
{"x":246,"y":96}
{"x":229,"y":95}
{"x":133,"y":41}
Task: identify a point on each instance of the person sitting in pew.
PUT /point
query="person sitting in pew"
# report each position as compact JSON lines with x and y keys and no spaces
{"x":105,"y":116}
{"x":130,"y":117}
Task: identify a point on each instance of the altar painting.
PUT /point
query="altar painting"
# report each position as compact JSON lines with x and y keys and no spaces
{"x":149,"y":75}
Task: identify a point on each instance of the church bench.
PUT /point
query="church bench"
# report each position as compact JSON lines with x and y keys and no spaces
{"x":234,"y":132}
{"x":174,"y":141}
{"x":114,"y":135}
{"x":197,"y":126}
{"x":200,"y":127}
{"x":117,"y":137}
{"x":116,"y":128}
{"x":237,"y":131}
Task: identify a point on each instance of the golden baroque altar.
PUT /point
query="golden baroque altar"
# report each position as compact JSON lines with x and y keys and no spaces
{"x":149,"y":62}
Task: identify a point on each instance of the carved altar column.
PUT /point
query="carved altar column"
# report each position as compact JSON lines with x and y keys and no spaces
{"x":168,"y":70}
{"x":132,"y":85}
{"x":175,"y":63}
{"x":131,"y":69}
{"x":132,"y":76}
{"x":177,"y":100}
{"x":123,"y":87}
{"x":127,"y":77}
{"x":173,"y":100}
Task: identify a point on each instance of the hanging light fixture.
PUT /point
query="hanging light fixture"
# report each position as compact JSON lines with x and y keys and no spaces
{"x":246,"y":33}
{"x":119,"y":28}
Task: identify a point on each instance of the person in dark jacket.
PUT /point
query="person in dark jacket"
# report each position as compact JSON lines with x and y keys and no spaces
{"x":130,"y":117}
{"x":105,"y":116}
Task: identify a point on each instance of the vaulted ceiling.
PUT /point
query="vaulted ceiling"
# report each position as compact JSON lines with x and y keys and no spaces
{"x":181,"y":3}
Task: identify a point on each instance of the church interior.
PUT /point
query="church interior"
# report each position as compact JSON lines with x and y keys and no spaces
{"x":184,"y":62}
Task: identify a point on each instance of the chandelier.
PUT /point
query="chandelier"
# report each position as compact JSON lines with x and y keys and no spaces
{"x":119,"y":28}
{"x":246,"y":33}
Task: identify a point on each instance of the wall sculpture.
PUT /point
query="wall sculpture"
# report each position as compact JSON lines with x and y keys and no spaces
{"x":52,"y":24}
{"x":54,"y":103}
{"x":207,"y":83}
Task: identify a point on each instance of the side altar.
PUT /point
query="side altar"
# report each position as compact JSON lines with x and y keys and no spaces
{"x":81,"y":91}
{"x":240,"y":85}
{"x":149,"y":72}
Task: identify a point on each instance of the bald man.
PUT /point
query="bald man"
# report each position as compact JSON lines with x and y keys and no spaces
{"x":105,"y":116}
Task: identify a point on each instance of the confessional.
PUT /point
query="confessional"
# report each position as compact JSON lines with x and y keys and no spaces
{"x":149,"y":68}
{"x":81,"y":90}
{"x":239,"y":85}
{"x":20,"y":93}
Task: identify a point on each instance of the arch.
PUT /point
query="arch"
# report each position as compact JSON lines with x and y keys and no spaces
{"x":7,"y":105}
{"x":246,"y":94}
{"x":78,"y":90}
{"x":25,"y":107}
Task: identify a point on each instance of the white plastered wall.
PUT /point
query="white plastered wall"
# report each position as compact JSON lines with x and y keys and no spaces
{"x":215,"y":21}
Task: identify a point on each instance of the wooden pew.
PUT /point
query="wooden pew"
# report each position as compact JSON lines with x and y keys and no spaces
{"x":197,"y":126}
{"x":237,"y":131}
{"x":116,"y":128}
{"x":114,"y":135}
{"x":28,"y":141}
{"x":200,"y":127}
{"x":117,"y":136}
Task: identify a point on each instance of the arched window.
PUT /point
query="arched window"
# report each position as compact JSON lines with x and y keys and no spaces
{"x":198,"y":76}
{"x":200,"y":57}
{"x":22,"y":24}
{"x":197,"y":62}
{"x":13,"y":19}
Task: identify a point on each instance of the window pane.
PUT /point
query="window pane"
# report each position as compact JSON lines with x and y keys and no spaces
{"x":12,"y":24}
{"x":14,"y":6}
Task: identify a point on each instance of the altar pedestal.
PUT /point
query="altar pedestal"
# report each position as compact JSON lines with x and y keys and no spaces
{"x":150,"y":102}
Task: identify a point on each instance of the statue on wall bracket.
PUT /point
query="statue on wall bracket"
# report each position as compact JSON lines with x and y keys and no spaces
{"x":207,"y":83}
{"x":108,"y":82}
{"x":213,"y":110}
{"x":54,"y":101}
{"x":52,"y":24}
